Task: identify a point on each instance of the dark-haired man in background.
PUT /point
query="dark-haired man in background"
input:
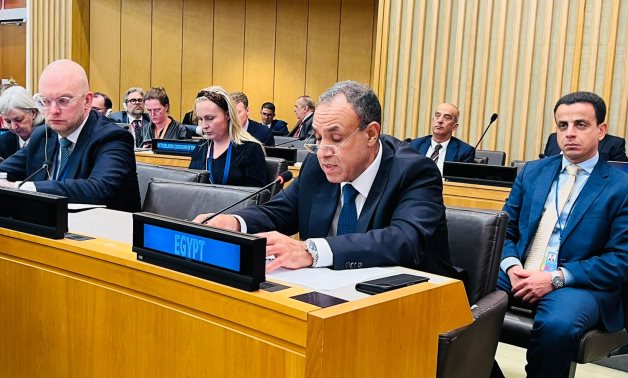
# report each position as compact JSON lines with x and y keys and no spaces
{"x":277,"y":126}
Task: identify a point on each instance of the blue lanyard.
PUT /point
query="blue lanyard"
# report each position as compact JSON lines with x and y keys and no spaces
{"x":210,"y":161}
{"x":560,"y":227}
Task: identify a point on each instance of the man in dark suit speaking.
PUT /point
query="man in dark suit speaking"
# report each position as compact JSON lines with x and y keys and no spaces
{"x":90,"y":159}
{"x":566,"y":249}
{"x":360,"y":201}
{"x":442,"y":146}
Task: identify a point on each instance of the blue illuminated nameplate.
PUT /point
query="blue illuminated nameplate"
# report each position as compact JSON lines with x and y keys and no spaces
{"x":174,"y":147}
{"x":193,"y":247}
{"x":2,"y":131}
{"x":227,"y":257}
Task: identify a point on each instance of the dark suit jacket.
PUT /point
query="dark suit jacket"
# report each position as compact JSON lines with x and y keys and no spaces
{"x":101,"y":169}
{"x":8,"y":144}
{"x":123,"y":117}
{"x":402,"y":221}
{"x":594,"y":245}
{"x":306,"y":130}
{"x":279,"y":127}
{"x":261,"y":133}
{"x":611,"y":148}
{"x":457,"y":150}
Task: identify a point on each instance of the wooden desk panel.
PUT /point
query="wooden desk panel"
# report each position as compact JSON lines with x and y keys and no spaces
{"x":149,"y":157}
{"x":89,"y":308}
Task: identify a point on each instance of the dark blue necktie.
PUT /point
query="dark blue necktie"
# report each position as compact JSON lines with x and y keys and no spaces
{"x":348,"y":219}
{"x":65,"y":154}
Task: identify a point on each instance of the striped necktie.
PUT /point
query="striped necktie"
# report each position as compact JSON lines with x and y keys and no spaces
{"x":536,"y":257}
{"x":436,"y":152}
{"x":65,"y":154}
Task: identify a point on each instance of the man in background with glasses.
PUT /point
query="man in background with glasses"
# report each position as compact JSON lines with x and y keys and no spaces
{"x":78,"y":154}
{"x":361,"y":199}
{"x":133,"y":113}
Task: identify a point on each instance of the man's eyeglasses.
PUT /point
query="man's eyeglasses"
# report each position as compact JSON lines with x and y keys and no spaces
{"x":62,"y":102}
{"x":135,"y":101}
{"x":332,"y":149}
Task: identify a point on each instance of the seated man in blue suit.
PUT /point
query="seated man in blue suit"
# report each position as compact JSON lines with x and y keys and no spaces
{"x":259,"y":131}
{"x":611,"y":148}
{"x":391,"y":208}
{"x":277,"y":126}
{"x":133,"y":114}
{"x":84,"y":156}
{"x":451,"y":148}
{"x":566,"y":249}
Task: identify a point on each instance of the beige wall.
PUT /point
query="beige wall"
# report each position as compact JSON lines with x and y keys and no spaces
{"x":273,"y":50}
{"x":515,"y":58}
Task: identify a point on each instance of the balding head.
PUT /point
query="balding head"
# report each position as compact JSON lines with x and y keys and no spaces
{"x":65,"y":79}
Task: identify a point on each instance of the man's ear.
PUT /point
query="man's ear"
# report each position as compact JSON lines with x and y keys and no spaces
{"x":372,"y":132}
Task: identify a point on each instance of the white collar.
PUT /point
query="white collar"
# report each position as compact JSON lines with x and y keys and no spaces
{"x":75,"y":134}
{"x":364,"y":181}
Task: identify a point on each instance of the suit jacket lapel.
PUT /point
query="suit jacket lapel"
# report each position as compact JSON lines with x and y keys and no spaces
{"x":452,"y":150}
{"x":423,"y":147}
{"x":79,"y":148}
{"x":591,"y":190}
{"x":541,"y":191}
{"x":377,"y":189}
{"x":326,"y":200}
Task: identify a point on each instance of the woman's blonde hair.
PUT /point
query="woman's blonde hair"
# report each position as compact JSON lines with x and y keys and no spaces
{"x":221,"y":98}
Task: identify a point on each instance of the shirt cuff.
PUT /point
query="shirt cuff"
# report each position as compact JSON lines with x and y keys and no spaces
{"x":325,"y":255}
{"x":243,"y":227}
{"x":508,"y":262}
{"x":29,"y":185}
{"x":568,"y":276}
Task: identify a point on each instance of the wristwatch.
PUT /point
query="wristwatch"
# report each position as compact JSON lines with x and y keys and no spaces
{"x":557,"y":280}
{"x":310,"y":247}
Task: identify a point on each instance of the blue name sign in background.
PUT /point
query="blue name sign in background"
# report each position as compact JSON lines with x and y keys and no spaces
{"x":193,"y":247}
{"x":185,"y":147}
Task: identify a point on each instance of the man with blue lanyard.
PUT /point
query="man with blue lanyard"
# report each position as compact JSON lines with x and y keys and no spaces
{"x":566,"y":249}
{"x":78,"y":154}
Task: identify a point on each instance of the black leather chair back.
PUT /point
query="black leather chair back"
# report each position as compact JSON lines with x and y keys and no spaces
{"x":274,"y":167}
{"x":186,"y":200}
{"x":147,"y":172}
{"x":494,"y":157}
{"x":476,"y":240}
{"x":518,"y":164}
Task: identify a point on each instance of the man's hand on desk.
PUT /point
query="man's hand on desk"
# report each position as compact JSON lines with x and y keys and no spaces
{"x":6,"y":184}
{"x":289,"y":253}
{"x":224,"y":221}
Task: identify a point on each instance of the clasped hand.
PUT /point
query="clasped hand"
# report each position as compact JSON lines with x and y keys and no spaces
{"x":529,"y":286}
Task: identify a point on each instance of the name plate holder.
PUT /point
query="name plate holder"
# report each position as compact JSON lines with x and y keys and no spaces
{"x":230,"y":258}
{"x":181,"y":147}
{"x":34,"y":213}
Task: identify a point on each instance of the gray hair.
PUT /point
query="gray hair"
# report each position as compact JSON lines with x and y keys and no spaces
{"x":362,"y":99}
{"x":132,"y":90}
{"x":18,"y":98}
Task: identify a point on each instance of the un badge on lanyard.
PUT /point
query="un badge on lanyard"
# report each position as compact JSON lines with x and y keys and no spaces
{"x":551,"y":260}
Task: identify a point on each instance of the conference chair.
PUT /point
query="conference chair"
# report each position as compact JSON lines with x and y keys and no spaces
{"x":274,"y":167}
{"x":147,"y":172}
{"x":184,"y":200}
{"x":476,"y":240}
{"x":518,"y":164}
{"x":301,"y":155}
{"x":594,"y":345}
{"x":494,"y":157}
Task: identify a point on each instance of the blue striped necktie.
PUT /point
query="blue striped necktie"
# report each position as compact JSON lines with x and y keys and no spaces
{"x":348,"y":219}
{"x":65,"y":154}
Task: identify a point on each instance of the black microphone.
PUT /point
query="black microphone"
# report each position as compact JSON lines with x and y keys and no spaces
{"x":493,"y":119}
{"x":542,"y":156}
{"x":44,"y":166}
{"x":286,"y":142}
{"x":282,"y":178}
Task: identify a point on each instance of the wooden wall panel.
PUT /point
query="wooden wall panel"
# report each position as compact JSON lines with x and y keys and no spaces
{"x":166,"y":35}
{"x":514,"y":58}
{"x":290,"y":56}
{"x":322,"y":46}
{"x":13,"y":52}
{"x":259,"y":53}
{"x":135,"y":47}
{"x":198,"y":40}
{"x":104,"y":75}
{"x":228,"y":66}
{"x":356,"y":40}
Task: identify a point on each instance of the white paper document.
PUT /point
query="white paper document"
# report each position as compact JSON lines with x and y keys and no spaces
{"x":327,"y":279}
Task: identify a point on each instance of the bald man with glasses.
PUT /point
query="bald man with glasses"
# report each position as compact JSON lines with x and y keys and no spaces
{"x":86,"y":157}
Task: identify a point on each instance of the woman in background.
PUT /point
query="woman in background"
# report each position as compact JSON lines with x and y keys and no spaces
{"x":161,"y":126}
{"x":231,"y":155}
{"x":20,"y":115}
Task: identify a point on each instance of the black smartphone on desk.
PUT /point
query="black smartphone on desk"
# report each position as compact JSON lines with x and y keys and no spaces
{"x":381,"y":285}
